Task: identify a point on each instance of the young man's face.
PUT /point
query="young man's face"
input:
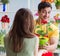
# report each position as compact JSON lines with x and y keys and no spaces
{"x":45,"y":13}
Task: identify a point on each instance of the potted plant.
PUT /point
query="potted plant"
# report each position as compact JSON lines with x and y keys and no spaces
{"x":4,"y":1}
{"x":43,"y":37}
{"x":57,"y":4}
{"x":57,"y":18}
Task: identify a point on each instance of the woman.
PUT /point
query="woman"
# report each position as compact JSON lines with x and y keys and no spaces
{"x":21,"y":41}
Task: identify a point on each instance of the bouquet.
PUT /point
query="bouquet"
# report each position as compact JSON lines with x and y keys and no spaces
{"x":43,"y":36}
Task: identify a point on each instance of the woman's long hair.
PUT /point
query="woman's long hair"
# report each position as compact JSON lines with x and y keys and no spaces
{"x":22,"y":28}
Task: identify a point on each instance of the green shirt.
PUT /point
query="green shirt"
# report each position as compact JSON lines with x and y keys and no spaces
{"x":27,"y":50}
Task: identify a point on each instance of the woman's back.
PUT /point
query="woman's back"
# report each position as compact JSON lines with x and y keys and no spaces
{"x":27,"y":50}
{"x":20,"y":40}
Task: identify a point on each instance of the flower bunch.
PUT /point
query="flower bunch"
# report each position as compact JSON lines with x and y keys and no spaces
{"x":57,"y":18}
{"x":5,"y":19}
{"x":47,"y":54}
{"x":40,"y":31}
{"x":2,"y":34}
{"x":43,"y":36}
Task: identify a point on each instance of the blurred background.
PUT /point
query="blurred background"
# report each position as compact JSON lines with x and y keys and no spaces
{"x":8,"y":9}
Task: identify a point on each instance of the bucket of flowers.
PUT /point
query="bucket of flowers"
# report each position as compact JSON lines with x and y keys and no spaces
{"x":57,"y":18}
{"x":5,"y":23}
{"x":43,"y":36}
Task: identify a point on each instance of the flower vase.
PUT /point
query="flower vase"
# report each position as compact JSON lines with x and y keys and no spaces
{"x":5,"y":26}
{"x":43,"y":41}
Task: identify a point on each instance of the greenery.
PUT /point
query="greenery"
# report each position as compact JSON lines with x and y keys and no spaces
{"x":2,"y":34}
{"x":58,"y":46}
{"x":57,"y":3}
{"x":5,"y":1}
{"x":41,"y":32}
{"x":59,"y":41}
{"x":43,"y":35}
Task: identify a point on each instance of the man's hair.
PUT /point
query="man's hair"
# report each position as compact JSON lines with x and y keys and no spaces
{"x":43,"y":5}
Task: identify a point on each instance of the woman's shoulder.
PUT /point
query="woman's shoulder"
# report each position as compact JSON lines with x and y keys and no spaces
{"x":33,"y":39}
{"x":37,"y":38}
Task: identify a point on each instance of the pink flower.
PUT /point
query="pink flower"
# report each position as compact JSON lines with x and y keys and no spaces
{"x":36,"y":14}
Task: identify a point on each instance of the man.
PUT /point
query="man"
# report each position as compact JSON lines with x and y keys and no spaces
{"x":44,"y":10}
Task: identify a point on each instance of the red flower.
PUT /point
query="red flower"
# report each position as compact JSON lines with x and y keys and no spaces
{"x":44,"y":21}
{"x":47,"y":54}
{"x":37,"y":34}
{"x":5,"y":19}
{"x":46,"y":35}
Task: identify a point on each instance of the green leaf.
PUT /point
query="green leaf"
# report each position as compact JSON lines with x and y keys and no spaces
{"x":58,"y":46}
{"x":41,"y":32}
{"x":37,"y":26}
{"x":49,"y":29}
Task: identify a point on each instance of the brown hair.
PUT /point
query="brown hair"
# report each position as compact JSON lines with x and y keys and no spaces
{"x":22,"y":28}
{"x":43,"y":5}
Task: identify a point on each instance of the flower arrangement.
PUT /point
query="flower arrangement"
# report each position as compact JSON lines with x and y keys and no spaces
{"x":43,"y":36}
{"x":50,"y":1}
{"x":43,"y":52}
{"x":47,"y":54}
{"x":57,"y":4}
{"x":57,"y":18}
{"x":5,"y":19}
{"x":2,"y":34}
{"x":5,"y":22}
